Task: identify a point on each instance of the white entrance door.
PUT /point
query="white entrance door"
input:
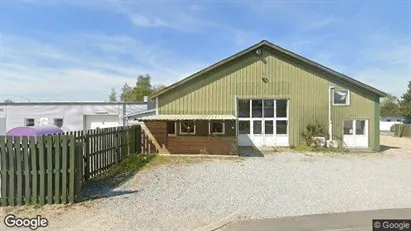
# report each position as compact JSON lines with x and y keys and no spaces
{"x":263,"y":122}
{"x":269,"y":132}
{"x":355,"y":133}
{"x":257,"y":129}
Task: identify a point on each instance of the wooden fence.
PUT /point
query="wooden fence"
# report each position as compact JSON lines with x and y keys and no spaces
{"x":402,"y":130}
{"x":51,"y":169}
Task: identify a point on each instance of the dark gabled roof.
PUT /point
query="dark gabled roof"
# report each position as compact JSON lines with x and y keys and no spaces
{"x":283,"y":51}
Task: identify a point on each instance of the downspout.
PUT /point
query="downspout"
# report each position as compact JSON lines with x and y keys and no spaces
{"x":236,"y":116}
{"x":330,"y":123}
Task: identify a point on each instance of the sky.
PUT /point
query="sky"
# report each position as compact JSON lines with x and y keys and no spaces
{"x":78,"y":50}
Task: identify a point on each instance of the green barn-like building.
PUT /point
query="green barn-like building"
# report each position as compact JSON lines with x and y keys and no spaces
{"x":262,"y":96}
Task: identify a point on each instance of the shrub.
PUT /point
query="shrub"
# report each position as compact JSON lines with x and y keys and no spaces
{"x":314,"y":129}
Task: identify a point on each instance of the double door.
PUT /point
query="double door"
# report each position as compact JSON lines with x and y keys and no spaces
{"x":355,"y":133}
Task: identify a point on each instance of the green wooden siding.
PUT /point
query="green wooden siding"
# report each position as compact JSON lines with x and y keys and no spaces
{"x":306,"y":88}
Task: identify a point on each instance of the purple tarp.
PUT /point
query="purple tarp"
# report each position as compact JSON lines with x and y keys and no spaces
{"x":34,"y":131}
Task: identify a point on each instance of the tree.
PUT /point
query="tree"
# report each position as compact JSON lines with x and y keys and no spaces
{"x":8,"y":101}
{"x":390,"y":106}
{"x":143,"y":87}
{"x":405,"y":102}
{"x":113,"y":95}
{"x":157,"y":87}
{"x":126,"y":93}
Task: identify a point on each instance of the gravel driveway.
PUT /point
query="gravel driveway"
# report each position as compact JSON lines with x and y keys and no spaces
{"x":185,"y":197}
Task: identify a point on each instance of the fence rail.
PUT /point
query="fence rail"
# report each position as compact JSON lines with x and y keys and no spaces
{"x":51,"y":169}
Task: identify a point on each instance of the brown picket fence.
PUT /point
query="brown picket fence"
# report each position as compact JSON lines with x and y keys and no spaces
{"x":51,"y":169}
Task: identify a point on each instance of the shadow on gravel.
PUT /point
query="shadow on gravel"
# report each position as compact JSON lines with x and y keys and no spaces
{"x":249,"y":151}
{"x":105,"y":185}
{"x":386,"y":147}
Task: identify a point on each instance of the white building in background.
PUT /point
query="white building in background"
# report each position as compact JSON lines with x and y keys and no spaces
{"x":70,"y":116}
{"x":387,"y":122}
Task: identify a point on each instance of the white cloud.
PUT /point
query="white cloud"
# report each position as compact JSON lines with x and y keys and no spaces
{"x":61,"y":72}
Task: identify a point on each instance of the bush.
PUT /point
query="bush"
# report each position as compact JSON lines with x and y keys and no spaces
{"x":312,"y":130}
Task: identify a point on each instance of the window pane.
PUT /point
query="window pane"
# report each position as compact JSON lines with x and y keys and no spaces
{"x":281,"y":108}
{"x":171,"y":129}
{"x":243,"y":108}
{"x":269,"y":108}
{"x":257,"y":128}
{"x":340,"y":96}
{"x":269,"y":128}
{"x":360,"y":127}
{"x":29,"y":122}
{"x":348,"y":127}
{"x":187,"y":127}
{"x":58,"y":122}
{"x":257,"y":108}
{"x":216,"y":127}
{"x":281,"y":127}
{"x":244,"y":127}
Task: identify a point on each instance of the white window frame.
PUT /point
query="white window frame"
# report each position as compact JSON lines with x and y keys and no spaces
{"x":175,"y":129}
{"x":347,"y":103}
{"x":26,"y":119}
{"x":275,"y":118}
{"x":186,"y":133}
{"x":216,"y":133}
{"x":62,"y":121}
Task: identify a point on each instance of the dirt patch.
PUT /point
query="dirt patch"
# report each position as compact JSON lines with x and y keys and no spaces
{"x":395,"y":145}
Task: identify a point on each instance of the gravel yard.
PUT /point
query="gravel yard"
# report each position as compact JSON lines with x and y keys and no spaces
{"x":187,"y":196}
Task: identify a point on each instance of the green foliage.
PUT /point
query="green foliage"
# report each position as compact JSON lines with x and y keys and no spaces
{"x":314,"y":129}
{"x":8,"y":101}
{"x":113,"y":95}
{"x":390,"y":106}
{"x":142,"y":88}
{"x":126,"y":93}
{"x":405,"y":103}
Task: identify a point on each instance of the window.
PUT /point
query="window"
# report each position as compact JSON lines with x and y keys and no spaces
{"x":58,"y":122}
{"x":29,"y":122}
{"x":257,"y":108}
{"x":348,"y":127}
{"x":257,"y":127}
{"x":244,"y":127}
{"x":269,"y":108}
{"x":188,"y":127}
{"x":281,"y":108}
{"x":244,"y":108}
{"x":281,"y":127}
{"x":269,"y":128}
{"x":341,"y":97}
{"x":171,"y":128}
{"x":360,"y":127}
{"x":216,"y":128}
{"x":388,"y":120}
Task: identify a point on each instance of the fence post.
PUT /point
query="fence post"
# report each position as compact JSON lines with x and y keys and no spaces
{"x":117,"y":145}
{"x":87,"y":156}
{"x":72,"y":168}
{"x":3,"y":162}
{"x":138,"y":139}
{"x":42,"y":168}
